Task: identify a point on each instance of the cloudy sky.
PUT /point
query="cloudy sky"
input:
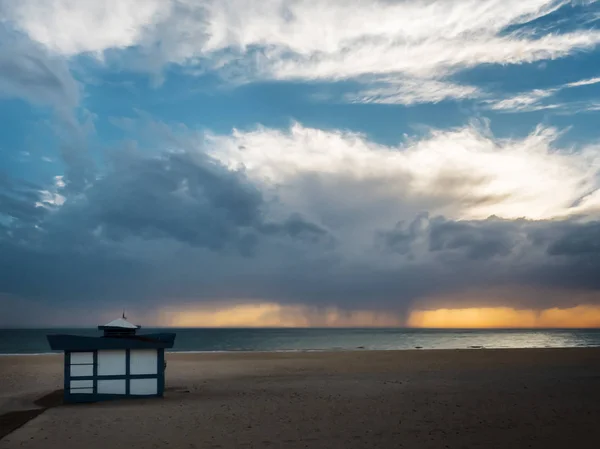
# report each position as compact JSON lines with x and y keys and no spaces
{"x":300,"y":162}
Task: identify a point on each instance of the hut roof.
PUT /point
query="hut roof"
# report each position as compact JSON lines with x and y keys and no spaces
{"x":122,"y":323}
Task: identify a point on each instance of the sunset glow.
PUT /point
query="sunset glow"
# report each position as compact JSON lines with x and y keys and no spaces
{"x":275,"y":315}
{"x":278,"y":315}
{"x":583,"y":316}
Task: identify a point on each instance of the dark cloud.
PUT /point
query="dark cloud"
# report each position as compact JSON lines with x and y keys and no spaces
{"x":496,"y":252}
{"x":466,"y":240}
{"x":21,"y":206}
{"x":175,"y":196}
{"x":29,"y":72}
{"x":401,"y":238}
{"x":476,"y":240}
{"x":20,"y":202}
{"x":295,"y":226}
{"x":187,"y":197}
{"x":458,"y":240}
{"x":67,"y":275}
{"x":180,"y":227}
{"x":586,"y":241}
{"x":165,"y":225}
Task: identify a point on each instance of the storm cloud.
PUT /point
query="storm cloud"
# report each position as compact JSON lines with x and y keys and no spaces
{"x":352,"y":160}
{"x":179,"y":227}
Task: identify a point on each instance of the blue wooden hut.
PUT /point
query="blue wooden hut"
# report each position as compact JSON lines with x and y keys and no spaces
{"x":119,"y":364}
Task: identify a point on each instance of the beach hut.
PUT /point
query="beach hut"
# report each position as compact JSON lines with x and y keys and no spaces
{"x":118,"y":364}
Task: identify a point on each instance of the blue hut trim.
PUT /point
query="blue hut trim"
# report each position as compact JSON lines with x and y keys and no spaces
{"x":95,"y":384}
{"x":73,"y":344}
{"x":64,"y":342}
{"x":67,"y":380}
{"x":128,"y":371}
{"x":161,"y":372}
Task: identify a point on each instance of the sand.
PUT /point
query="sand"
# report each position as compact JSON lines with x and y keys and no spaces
{"x":546,"y":398}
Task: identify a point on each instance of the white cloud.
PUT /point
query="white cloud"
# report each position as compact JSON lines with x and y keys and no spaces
{"x":585,"y":82}
{"x":308,"y":39}
{"x":48,"y":198}
{"x":526,"y":101}
{"x":59,"y":181}
{"x":430,"y":58}
{"x":461,"y":173}
{"x":303,"y":27}
{"x":52,"y":198}
{"x":308,"y":27}
{"x":70,"y":27}
{"x":534,"y":99}
{"x":592,"y":107}
{"x":412,"y":91}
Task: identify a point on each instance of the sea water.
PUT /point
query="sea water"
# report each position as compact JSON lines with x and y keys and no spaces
{"x":33,"y":341}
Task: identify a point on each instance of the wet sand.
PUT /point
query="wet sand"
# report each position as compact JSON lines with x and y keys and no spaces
{"x":542,"y":398}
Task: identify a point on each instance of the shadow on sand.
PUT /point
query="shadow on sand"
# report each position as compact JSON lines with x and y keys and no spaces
{"x":11,"y":421}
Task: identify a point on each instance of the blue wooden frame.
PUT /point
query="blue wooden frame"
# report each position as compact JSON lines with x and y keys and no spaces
{"x":95,"y":396}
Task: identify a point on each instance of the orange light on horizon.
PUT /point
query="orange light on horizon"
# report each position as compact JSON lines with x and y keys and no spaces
{"x":582,"y":316}
{"x":275,"y":315}
{"x":281,"y":315}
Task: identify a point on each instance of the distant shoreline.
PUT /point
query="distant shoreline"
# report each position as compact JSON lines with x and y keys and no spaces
{"x":292,"y":351}
{"x":34,"y":341}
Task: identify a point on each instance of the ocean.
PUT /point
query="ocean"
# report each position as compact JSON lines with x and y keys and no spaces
{"x":33,"y":341}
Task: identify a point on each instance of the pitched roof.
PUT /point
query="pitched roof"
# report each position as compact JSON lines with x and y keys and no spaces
{"x":121,"y":322}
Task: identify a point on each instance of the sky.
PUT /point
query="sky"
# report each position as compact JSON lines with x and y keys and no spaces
{"x":427,"y":163}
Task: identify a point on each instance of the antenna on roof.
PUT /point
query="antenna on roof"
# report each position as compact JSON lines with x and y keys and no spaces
{"x":124,"y":314}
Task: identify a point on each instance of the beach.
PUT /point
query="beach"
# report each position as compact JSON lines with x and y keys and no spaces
{"x":506,"y":398}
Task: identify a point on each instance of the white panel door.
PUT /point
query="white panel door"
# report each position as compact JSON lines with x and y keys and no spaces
{"x":143,"y":386}
{"x":111,"y":362}
{"x":82,"y":386}
{"x":143,"y":361}
{"x":82,"y":370}
{"x":111,"y":386}
{"x":82,"y":391}
{"x":78,"y":358}
{"x":82,"y":364}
